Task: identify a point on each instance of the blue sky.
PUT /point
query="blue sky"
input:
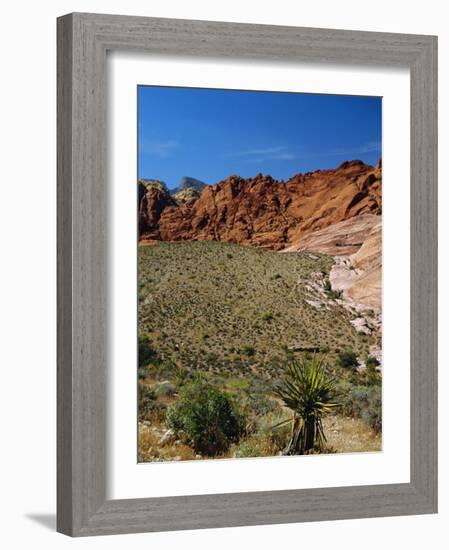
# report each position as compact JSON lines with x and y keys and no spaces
{"x":211,"y":134}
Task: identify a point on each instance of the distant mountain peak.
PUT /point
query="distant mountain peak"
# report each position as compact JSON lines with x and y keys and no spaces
{"x":189,"y":188}
{"x":187,"y":182}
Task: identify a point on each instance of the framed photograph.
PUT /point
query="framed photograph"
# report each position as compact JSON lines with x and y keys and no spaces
{"x":247,"y":274}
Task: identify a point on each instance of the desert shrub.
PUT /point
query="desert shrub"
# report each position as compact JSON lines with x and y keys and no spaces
{"x":363,"y":402}
{"x":367,"y":405}
{"x":149,"y":407}
{"x":160,"y":370}
{"x":247,"y":449}
{"x":359,"y":398}
{"x":372,"y":413}
{"x":165,"y":389}
{"x":373,"y":377}
{"x":147,"y":353}
{"x":143,"y":372}
{"x":248,"y":350}
{"x":260,"y":404}
{"x":206,"y":418}
{"x":372,"y":361}
{"x":181,"y":376}
{"x":347,"y":359}
{"x":267,"y":316}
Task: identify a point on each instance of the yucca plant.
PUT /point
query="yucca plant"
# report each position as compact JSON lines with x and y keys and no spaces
{"x":305,"y":390}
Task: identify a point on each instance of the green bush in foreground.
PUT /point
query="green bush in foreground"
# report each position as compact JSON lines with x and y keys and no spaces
{"x":206,"y":418}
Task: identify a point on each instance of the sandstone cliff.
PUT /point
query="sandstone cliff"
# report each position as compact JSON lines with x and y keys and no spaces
{"x":261,"y":211}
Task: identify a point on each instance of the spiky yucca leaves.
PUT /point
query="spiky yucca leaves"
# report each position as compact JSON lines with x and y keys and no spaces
{"x":304,"y":390}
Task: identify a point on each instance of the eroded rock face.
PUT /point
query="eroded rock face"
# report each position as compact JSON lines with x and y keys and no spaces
{"x":339,"y":239}
{"x":359,"y":276}
{"x":186,"y":195}
{"x":367,"y":289}
{"x":153,"y":199}
{"x":264,"y":212}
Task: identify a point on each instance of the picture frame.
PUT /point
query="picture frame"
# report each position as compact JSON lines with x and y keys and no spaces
{"x":83,"y":40}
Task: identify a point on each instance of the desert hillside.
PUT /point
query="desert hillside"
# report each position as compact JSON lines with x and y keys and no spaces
{"x":230,"y":317}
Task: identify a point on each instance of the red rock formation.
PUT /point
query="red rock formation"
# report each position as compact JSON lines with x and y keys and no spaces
{"x":264,"y":212}
{"x":153,"y":199}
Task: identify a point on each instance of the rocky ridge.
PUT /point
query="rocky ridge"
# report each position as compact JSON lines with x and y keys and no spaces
{"x":261,"y":211}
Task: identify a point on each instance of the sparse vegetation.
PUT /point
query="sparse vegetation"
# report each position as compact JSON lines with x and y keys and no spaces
{"x":267,"y":316}
{"x":335,"y":294}
{"x":361,"y":401}
{"x":218,"y":324}
{"x":331,"y":294}
{"x":149,"y":405}
{"x":347,"y":359}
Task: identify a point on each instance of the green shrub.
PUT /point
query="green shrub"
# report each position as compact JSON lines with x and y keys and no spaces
{"x":260,"y":404}
{"x":372,"y":414}
{"x":247,"y":450}
{"x":165,"y":389}
{"x":148,"y":404}
{"x":332,"y":294}
{"x":372,"y":361}
{"x":206,"y":418}
{"x":267,"y":316}
{"x":248,"y":350}
{"x":147,"y":354}
{"x":335,"y":294}
{"x":363,"y":402}
{"x":347,"y":359}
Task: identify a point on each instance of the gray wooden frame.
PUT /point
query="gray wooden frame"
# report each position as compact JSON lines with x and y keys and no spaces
{"x":83,"y":40}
